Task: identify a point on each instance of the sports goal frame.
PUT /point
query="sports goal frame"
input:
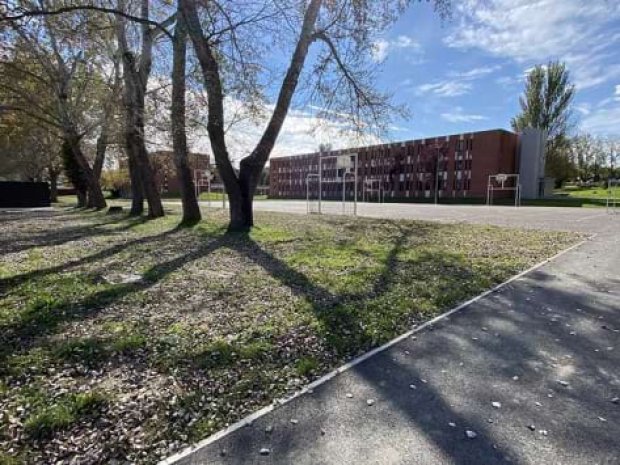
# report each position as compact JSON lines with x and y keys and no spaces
{"x":202,"y":178}
{"x":348,"y":162}
{"x":504,"y":182}
{"x":613,"y":197}
{"x":368,"y":189}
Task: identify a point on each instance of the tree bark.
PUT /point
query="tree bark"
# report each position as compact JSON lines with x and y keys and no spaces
{"x":100,"y":150}
{"x":149,"y":187}
{"x":137,"y":195}
{"x":191,"y":210}
{"x":81,"y":198}
{"x":95,"y":197}
{"x":53,"y":175}
{"x":135,"y":79}
{"x":241,"y":188}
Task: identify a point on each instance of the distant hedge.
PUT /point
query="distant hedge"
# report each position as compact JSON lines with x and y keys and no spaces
{"x":24,"y":194}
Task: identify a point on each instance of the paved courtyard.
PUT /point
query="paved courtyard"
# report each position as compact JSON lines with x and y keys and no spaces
{"x":571,"y":219}
{"x":526,"y":375}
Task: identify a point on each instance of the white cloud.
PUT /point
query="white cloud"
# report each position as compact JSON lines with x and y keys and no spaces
{"x":380,"y":50}
{"x":583,"y":108}
{"x":535,"y":31}
{"x":459,"y":116}
{"x":458,"y":82}
{"x":509,"y":81}
{"x":382,"y":47}
{"x":404,"y":41}
{"x":603,"y":121}
{"x":475,"y":72}
{"x":302,"y":132}
{"x":446,"y":88}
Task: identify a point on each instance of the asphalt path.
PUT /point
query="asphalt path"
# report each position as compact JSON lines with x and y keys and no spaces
{"x":529,"y":374}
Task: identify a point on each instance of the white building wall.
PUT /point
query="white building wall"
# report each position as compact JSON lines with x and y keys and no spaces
{"x":532,"y":162}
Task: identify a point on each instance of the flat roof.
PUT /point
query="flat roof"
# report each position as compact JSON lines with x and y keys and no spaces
{"x":396,"y":143}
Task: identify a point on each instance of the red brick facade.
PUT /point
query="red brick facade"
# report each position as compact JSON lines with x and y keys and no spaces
{"x":166,"y":173}
{"x":460,"y":165}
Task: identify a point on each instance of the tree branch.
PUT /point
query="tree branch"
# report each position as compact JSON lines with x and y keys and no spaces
{"x":359,"y":92}
{"x":68,"y":9}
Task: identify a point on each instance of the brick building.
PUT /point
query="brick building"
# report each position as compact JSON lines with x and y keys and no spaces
{"x":165,"y":170}
{"x":454,"y":166}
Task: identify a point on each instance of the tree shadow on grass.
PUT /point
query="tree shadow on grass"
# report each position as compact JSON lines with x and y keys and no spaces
{"x":346,"y":331}
{"x":53,"y":236}
{"x":43,"y":318}
{"x":348,"y":334}
{"x":533,"y":329}
{"x":6,"y":284}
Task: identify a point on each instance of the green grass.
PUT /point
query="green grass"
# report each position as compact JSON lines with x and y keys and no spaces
{"x":10,"y":460}
{"x":218,"y":196}
{"x":597,"y":193}
{"x":306,"y":366}
{"x":219,"y":325}
{"x":54,"y":415}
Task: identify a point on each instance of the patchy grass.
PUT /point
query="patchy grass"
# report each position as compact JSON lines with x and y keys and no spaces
{"x":574,"y":196}
{"x":306,"y":366}
{"x":177,"y":332}
{"x":49,"y":416}
{"x":214,"y":196}
{"x":588,"y":192}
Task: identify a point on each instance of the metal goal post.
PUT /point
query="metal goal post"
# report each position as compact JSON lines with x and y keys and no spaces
{"x":504,"y":182}
{"x":313,"y":200}
{"x":341,"y":169}
{"x":373,"y":188}
{"x":202,"y":179}
{"x":613,"y":196}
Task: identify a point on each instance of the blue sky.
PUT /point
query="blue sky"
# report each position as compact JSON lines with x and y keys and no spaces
{"x":466,"y":74}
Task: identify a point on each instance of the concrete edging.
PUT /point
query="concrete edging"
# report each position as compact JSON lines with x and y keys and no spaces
{"x":356,"y":361}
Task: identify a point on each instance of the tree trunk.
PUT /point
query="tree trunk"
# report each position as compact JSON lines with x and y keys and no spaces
{"x":137,"y":195}
{"x":101,"y":147}
{"x":136,"y":74}
{"x":140,"y":170}
{"x":95,"y":197}
{"x":241,"y":212}
{"x":81,"y":198}
{"x":191,"y":210}
{"x":53,"y":175}
{"x":241,"y":188}
{"x":149,"y":186}
{"x":241,"y":200}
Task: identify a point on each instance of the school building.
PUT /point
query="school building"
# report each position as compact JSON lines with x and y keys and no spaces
{"x":447,"y":167}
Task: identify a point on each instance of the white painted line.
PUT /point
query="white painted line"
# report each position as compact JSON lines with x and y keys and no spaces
{"x":254,"y":416}
{"x":590,"y":217}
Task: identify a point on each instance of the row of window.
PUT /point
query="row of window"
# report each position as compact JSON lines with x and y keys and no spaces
{"x":375,"y":166}
{"x":458,"y":184}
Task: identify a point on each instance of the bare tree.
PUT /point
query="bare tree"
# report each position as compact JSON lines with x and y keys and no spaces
{"x":612,"y":148}
{"x":136,"y":51}
{"x":234,"y":42}
{"x":231,"y":40}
